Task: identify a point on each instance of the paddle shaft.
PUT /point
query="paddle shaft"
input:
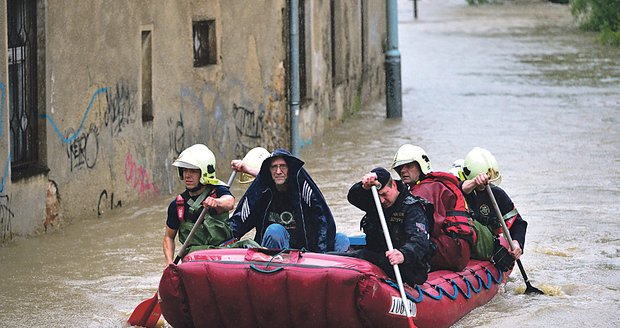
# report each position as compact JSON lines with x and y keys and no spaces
{"x":507,"y":235}
{"x":231,"y":179}
{"x":388,"y":241}
{"x":147,"y":313}
{"x":198,"y":223}
{"x":500,"y":217}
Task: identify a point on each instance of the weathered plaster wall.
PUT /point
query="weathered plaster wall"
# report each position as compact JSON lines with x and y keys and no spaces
{"x":232,"y":106}
{"x":374,"y":30}
{"x":344,"y":73}
{"x":97,"y":145}
{"x":102,"y":154}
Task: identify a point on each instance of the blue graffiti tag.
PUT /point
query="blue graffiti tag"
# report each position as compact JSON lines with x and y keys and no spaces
{"x":66,"y":140}
{"x":8,"y":161}
{"x":3,"y":89}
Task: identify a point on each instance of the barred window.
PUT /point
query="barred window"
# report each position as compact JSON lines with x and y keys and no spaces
{"x":23,"y":103}
{"x":205,"y":45}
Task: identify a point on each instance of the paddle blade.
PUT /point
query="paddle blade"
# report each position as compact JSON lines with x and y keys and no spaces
{"x":529,"y":289}
{"x":151,"y":322}
{"x":146,"y":314}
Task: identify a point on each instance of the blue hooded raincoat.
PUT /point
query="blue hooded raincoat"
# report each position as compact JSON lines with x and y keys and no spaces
{"x":317,"y":225}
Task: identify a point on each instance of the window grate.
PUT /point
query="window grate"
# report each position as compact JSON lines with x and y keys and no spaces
{"x":23,"y":102}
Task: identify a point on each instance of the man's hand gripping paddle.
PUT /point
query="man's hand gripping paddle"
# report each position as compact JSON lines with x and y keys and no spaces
{"x":388,"y":241}
{"x":529,"y":289}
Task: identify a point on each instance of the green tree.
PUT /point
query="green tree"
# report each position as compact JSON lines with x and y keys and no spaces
{"x":599,"y":15}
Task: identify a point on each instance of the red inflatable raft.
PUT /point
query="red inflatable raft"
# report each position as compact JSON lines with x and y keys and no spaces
{"x":266,"y":288}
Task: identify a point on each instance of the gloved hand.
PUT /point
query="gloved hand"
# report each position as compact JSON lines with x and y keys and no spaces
{"x":502,"y":259}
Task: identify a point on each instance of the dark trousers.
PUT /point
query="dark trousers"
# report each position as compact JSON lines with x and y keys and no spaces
{"x":410,"y":274}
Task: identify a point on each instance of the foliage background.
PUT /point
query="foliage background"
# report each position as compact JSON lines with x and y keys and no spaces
{"x":592,"y":15}
{"x":599,"y":15}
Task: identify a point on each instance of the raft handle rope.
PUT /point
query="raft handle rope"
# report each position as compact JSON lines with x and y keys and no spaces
{"x":266,"y":269}
{"x":255,"y":268}
{"x":456,"y":288}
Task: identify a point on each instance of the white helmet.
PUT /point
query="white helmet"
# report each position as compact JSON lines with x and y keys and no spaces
{"x":480,"y":160}
{"x":457,"y":169}
{"x":253,"y":159}
{"x":408,"y":153}
{"x":198,"y":157}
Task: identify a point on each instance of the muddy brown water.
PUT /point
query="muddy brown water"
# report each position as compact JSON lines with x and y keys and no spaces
{"x":518,"y":79}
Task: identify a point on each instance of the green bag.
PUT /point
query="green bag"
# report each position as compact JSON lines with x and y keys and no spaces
{"x":212,"y":234}
{"x":485,"y":243}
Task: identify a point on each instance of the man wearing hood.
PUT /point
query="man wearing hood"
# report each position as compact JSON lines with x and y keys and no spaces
{"x":287,"y":209}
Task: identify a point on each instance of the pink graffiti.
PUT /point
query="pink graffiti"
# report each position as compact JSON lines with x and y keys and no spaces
{"x":138,"y":176}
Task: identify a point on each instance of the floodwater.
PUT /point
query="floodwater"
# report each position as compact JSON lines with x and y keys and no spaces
{"x":518,"y":79}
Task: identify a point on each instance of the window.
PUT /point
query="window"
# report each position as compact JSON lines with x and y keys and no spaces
{"x":205,"y":45}
{"x":23,"y":91}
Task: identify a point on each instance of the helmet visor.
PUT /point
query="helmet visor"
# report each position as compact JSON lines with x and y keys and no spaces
{"x":185,"y":165}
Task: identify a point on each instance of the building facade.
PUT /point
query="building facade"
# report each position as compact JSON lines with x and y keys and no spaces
{"x":98,"y":97}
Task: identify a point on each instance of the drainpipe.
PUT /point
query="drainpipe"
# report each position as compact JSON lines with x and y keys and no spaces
{"x":393,"y":101}
{"x":294,"y":81}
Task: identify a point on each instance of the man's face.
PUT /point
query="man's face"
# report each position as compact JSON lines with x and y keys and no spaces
{"x":388,"y":194}
{"x":409,"y":173}
{"x":191,"y":177}
{"x":279,"y":171}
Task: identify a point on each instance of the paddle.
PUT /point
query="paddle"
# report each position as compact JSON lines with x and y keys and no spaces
{"x":528,"y":287}
{"x":388,"y":241}
{"x":231,"y":179}
{"x":147,"y":313}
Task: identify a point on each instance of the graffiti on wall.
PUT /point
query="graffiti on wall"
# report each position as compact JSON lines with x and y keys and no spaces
{"x":6,"y":216}
{"x":5,"y":174}
{"x":82,"y":145}
{"x":248,"y":117}
{"x":138,"y":176}
{"x":70,"y":137}
{"x":8,"y":161}
{"x":248,"y":128}
{"x":121,"y":109}
{"x":83,"y":150}
{"x":206,"y":105}
{"x":102,"y":205}
{"x":176,"y":134}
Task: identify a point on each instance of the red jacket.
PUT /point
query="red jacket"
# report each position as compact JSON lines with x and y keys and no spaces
{"x":442,"y":189}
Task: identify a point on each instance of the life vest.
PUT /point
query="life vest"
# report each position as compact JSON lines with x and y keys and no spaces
{"x":214,"y":230}
{"x":510,"y":217}
{"x":458,"y":222}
